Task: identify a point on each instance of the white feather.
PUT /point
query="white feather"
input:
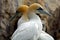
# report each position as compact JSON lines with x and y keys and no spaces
{"x":28,"y":30}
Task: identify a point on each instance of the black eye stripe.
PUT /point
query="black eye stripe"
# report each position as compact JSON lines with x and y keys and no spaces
{"x":40,"y":8}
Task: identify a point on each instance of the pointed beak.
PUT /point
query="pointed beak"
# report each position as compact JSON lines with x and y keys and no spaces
{"x":43,"y":11}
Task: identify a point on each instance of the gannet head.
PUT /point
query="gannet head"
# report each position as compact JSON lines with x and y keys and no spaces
{"x":39,"y":8}
{"x":22,"y":9}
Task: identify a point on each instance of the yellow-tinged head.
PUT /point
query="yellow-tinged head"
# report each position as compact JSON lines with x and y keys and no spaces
{"x":22,"y":9}
{"x":35,"y":6}
{"x":39,"y":8}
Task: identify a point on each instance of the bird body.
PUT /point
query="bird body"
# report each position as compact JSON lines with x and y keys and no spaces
{"x":27,"y":31}
{"x":33,"y":18}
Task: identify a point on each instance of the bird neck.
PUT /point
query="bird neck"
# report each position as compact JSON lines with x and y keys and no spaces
{"x":32,"y":16}
{"x":25,"y":17}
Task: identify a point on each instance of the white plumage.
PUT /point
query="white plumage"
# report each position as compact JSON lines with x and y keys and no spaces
{"x":26,"y":31}
{"x":34,"y":21}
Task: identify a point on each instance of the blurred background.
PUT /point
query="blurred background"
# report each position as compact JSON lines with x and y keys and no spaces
{"x":8,"y":8}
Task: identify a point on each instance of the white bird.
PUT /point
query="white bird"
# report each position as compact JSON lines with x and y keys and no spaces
{"x":42,"y":35}
{"x":29,"y":26}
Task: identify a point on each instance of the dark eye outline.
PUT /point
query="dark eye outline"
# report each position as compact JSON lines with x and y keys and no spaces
{"x":40,"y":8}
{"x":17,"y":12}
